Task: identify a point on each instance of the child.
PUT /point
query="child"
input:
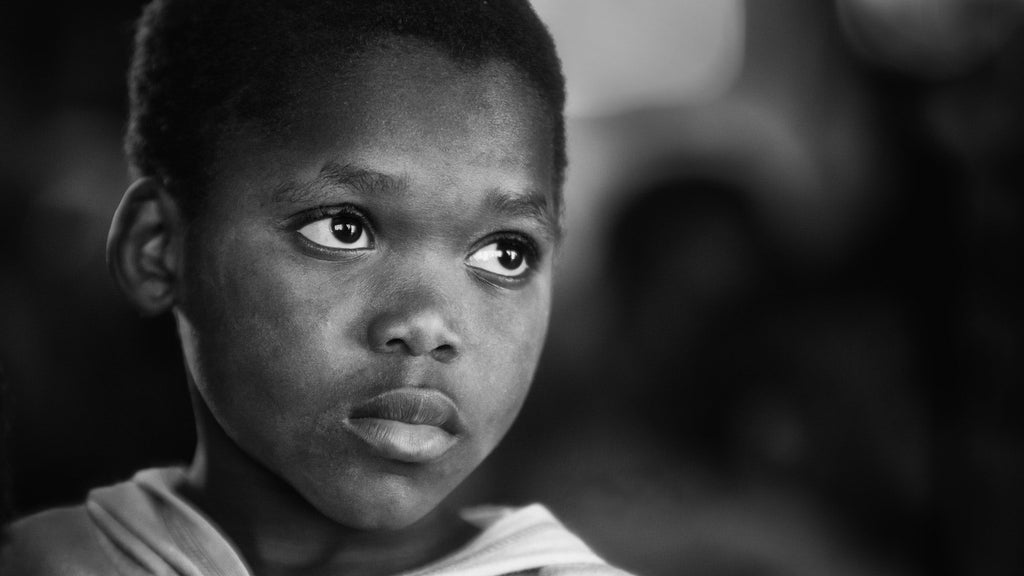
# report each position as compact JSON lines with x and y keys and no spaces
{"x":351,"y":208}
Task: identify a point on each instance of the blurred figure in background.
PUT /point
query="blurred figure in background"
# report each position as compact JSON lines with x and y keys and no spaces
{"x":952,"y":73}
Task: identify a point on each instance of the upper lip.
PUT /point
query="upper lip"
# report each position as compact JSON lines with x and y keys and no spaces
{"x":412,"y":405}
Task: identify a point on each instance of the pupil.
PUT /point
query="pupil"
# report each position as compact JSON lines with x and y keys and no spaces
{"x":346,"y":229}
{"x":510,"y":258}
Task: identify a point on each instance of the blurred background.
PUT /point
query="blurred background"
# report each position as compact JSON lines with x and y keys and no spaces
{"x":788,"y":335}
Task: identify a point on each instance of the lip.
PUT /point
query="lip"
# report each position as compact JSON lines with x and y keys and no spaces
{"x":415,"y":425}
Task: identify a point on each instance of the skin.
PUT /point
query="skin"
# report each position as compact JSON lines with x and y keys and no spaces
{"x":283,"y":337}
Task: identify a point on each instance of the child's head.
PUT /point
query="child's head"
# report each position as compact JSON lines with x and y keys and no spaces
{"x":352,"y":209}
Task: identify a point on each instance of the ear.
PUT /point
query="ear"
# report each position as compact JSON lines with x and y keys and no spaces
{"x":144,"y":246}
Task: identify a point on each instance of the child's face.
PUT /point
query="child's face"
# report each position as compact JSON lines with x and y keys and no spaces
{"x":395,"y":238}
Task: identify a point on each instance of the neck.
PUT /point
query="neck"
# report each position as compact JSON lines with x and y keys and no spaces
{"x":279,"y":533}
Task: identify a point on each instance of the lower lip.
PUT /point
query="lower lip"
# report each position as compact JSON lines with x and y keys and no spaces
{"x":401,"y":441}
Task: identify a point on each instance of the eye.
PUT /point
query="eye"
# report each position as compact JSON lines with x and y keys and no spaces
{"x":340,"y":232}
{"x":506,"y":257}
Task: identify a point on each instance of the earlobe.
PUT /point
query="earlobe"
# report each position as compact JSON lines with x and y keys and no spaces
{"x":143,"y":248}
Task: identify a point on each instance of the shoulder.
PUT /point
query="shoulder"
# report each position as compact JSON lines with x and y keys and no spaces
{"x":55,"y":542}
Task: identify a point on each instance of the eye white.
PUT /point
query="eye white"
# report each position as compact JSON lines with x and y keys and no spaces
{"x":341,"y":232}
{"x":501,"y":259}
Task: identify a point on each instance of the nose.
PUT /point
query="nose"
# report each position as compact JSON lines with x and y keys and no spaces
{"x":415,"y":326}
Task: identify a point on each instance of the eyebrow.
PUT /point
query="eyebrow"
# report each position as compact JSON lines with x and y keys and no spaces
{"x":334,"y":175}
{"x":533,"y":205}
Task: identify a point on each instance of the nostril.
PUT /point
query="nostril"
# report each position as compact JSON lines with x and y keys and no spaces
{"x":444,"y":353}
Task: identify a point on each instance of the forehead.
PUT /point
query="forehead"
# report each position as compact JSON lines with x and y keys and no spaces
{"x":413,"y":79}
{"x":406,"y":109}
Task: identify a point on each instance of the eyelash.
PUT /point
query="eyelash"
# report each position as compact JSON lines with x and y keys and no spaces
{"x":321,"y":212}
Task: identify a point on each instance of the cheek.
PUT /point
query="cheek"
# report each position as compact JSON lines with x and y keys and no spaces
{"x":508,"y":357}
{"x":269,"y":340}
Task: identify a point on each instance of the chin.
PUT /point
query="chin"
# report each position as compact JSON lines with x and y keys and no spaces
{"x":380,"y":504}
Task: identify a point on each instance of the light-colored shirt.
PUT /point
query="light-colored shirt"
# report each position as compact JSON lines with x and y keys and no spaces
{"x":143,"y":527}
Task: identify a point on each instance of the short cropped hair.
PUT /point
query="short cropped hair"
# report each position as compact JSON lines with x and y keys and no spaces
{"x":203,"y":67}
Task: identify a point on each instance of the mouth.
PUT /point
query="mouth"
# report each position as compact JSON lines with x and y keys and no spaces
{"x":414,"y":425}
